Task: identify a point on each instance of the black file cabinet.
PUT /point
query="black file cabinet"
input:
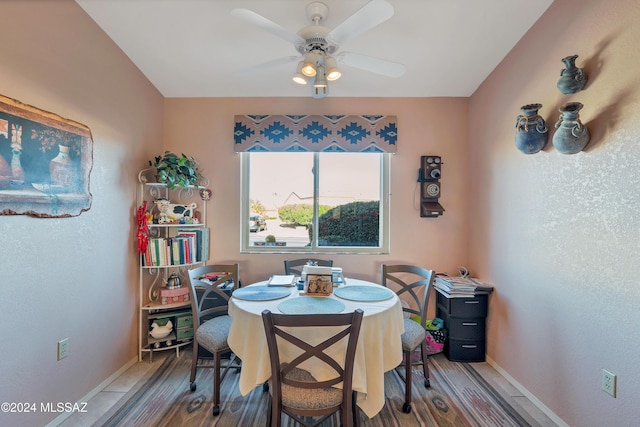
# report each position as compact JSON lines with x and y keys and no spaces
{"x":465,"y":320}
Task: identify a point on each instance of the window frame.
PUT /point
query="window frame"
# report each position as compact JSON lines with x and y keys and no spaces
{"x":384,"y":220}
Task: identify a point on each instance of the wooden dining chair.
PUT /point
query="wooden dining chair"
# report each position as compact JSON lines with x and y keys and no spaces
{"x":411,"y":283}
{"x":294,"y":266}
{"x":294,"y":390}
{"x":211,"y":323}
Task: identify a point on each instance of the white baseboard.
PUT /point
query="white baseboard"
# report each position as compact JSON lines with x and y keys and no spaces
{"x":548,"y":412}
{"x":59,"y":419}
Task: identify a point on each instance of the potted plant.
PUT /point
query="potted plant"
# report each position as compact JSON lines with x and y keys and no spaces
{"x":176,"y":171}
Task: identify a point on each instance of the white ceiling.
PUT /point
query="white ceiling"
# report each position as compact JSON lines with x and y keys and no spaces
{"x":195,"y":48}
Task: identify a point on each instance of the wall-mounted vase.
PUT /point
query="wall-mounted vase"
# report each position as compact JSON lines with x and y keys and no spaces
{"x":572,"y":78}
{"x":531,"y":130}
{"x":571,"y":135}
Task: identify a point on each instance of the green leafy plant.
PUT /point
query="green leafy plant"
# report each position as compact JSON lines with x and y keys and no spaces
{"x":270,"y":238}
{"x":299,"y":214}
{"x":176,"y":171}
{"x":352,"y":224}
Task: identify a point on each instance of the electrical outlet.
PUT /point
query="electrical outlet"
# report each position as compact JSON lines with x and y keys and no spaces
{"x":63,"y":348}
{"x":609,"y":382}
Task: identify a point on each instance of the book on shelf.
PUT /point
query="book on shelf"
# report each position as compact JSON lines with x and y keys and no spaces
{"x":200,"y":244}
{"x":187,"y":247}
{"x":205,"y":244}
{"x":176,"y":251}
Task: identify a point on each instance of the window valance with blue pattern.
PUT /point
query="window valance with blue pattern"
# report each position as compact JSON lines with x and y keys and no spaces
{"x":329,"y":133}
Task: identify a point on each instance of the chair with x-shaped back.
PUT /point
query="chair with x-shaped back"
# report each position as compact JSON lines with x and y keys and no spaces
{"x":295,"y":266}
{"x":413,"y":285}
{"x":211,"y":323}
{"x":294,"y":390}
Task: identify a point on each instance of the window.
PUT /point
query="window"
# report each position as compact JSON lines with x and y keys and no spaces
{"x":343,"y":207}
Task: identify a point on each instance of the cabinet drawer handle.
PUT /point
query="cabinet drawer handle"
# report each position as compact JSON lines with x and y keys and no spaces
{"x":472,"y":302}
{"x":469,"y":323}
{"x":469,"y":346}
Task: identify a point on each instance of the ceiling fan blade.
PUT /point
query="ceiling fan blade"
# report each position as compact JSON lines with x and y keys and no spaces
{"x":266,"y":24}
{"x":368,"y":16}
{"x":374,"y":65}
{"x":268,"y":65}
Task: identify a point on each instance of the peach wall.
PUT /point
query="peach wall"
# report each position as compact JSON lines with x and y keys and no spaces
{"x":204,"y":128}
{"x":72,"y":277}
{"x":559,"y":235}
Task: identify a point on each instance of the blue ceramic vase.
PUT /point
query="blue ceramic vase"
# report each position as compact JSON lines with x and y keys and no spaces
{"x":531,"y":130}
{"x":571,"y":135}
{"x":572,"y":78}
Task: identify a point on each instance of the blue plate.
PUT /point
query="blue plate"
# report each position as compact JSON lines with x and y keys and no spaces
{"x":363,"y":293}
{"x":261,"y":293}
{"x":311,"y":305}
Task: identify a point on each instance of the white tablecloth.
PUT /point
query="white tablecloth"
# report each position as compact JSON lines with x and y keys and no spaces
{"x":379,"y":347}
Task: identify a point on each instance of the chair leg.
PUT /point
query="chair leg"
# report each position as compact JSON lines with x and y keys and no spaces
{"x":355,"y":409}
{"x":347,"y":411}
{"x":269,"y":409}
{"x":216,"y":383}
{"x":276,"y":415}
{"x":425,"y":363}
{"x":194,"y":365}
{"x":406,"y":408}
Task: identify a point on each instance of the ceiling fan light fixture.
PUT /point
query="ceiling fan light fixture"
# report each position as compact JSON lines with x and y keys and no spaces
{"x":320,"y":92}
{"x":309,"y":64}
{"x":321,"y":78}
{"x":333,"y":73}
{"x":298,"y":77}
{"x":320,"y":87}
{"x":317,"y":44}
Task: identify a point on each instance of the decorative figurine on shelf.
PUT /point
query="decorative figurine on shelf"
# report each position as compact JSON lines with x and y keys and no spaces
{"x":205,"y":194}
{"x":170,"y":212}
{"x":158,"y":331}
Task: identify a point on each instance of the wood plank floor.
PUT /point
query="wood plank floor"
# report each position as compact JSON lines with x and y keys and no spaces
{"x":110,"y":395}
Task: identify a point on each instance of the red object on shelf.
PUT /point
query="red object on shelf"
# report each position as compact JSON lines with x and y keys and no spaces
{"x":143,"y":229}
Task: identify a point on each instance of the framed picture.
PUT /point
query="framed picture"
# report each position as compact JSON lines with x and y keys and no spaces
{"x":319,"y":285}
{"x":45,"y":162}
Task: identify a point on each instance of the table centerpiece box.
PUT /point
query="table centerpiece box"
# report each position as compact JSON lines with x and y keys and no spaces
{"x":318,"y":280}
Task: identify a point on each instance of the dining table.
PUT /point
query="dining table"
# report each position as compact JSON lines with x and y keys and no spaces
{"x":379,"y":346}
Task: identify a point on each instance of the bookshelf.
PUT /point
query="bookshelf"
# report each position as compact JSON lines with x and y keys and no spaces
{"x":172,"y":237}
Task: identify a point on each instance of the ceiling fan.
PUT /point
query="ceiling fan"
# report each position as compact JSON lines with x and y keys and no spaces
{"x":318,"y":45}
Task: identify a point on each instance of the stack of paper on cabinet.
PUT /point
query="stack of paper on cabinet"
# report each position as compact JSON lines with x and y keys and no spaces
{"x":461,"y":287}
{"x":282,"y":280}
